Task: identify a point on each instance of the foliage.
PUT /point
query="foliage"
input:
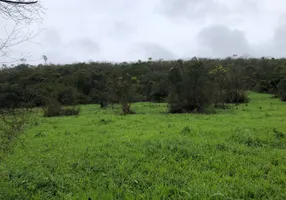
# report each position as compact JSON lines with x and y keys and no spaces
{"x":282,"y":89}
{"x":219,"y":76}
{"x":13,"y":122}
{"x":124,"y":93}
{"x":189,"y":88}
{"x":236,"y":97}
{"x":95,"y":83}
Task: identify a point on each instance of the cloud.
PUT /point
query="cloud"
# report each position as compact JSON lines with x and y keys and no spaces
{"x":129,"y":30}
{"x":60,"y":50}
{"x":282,"y":19}
{"x":122,"y":29}
{"x":279,"y":39}
{"x":189,"y":8}
{"x":85,"y":45}
{"x":52,"y":38}
{"x":221,"y":41}
{"x":277,"y":45}
{"x":58,"y":57}
{"x":155,"y":51}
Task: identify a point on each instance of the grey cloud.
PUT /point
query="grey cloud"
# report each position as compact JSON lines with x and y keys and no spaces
{"x":53,"y":38}
{"x":156,"y":51}
{"x":122,"y":29}
{"x":188,"y":8}
{"x":59,"y":57}
{"x":84,"y":44}
{"x":282,"y":19}
{"x":111,"y":30}
{"x":277,"y":46}
{"x":221,"y":41}
{"x":279,"y":39}
{"x":192,"y":9}
{"x":205,"y":11}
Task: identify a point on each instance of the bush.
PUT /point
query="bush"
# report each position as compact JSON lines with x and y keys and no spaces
{"x":189,"y":88}
{"x":74,"y":111}
{"x":282,"y":90}
{"x":236,"y":97}
{"x":103,"y":104}
{"x":54,"y":109}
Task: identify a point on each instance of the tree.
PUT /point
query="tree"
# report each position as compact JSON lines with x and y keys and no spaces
{"x":236,"y":84}
{"x":12,"y":119}
{"x":189,"y":87}
{"x":20,"y":14}
{"x":282,"y":89}
{"x":20,"y":11}
{"x":45,"y":58}
{"x":219,"y":76}
{"x":124,"y":92}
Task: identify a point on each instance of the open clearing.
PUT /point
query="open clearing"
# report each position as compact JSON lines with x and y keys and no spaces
{"x":238,"y":153}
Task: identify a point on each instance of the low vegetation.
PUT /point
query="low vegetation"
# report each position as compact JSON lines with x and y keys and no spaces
{"x":54,"y":109}
{"x":238,"y":153}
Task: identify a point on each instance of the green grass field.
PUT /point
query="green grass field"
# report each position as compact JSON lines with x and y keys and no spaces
{"x":238,"y":153}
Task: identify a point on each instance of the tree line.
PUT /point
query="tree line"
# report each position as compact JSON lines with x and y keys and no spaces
{"x":187,"y":85}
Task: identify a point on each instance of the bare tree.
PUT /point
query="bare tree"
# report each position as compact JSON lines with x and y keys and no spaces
{"x":14,"y":119}
{"x":17,"y":15}
{"x":21,"y":11}
{"x":45,"y":59}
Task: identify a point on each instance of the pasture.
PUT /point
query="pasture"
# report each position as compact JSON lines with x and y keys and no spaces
{"x":238,"y":153}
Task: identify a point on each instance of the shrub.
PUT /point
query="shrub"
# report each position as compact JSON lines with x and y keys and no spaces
{"x":236,"y":97}
{"x":74,"y":111}
{"x":55,"y":109}
{"x":186,"y":130}
{"x":103,"y":104}
{"x":189,"y":88}
{"x":282,"y":90}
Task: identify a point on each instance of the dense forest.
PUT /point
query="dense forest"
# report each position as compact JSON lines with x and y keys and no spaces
{"x":187,"y":85}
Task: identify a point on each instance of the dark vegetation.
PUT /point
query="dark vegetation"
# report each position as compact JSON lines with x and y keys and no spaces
{"x":188,"y":86}
{"x":54,"y":108}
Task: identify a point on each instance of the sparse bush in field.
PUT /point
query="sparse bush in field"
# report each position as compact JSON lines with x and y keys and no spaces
{"x":189,"y":88}
{"x":186,"y":131}
{"x":55,"y":109}
{"x":278,"y":134}
{"x":124,"y":92}
{"x":105,"y":121}
{"x":103,"y":104}
{"x":236,"y":97}
{"x":282,"y":89}
{"x":70,"y":111}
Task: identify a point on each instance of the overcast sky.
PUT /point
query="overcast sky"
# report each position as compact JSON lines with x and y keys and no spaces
{"x":128,"y":30}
